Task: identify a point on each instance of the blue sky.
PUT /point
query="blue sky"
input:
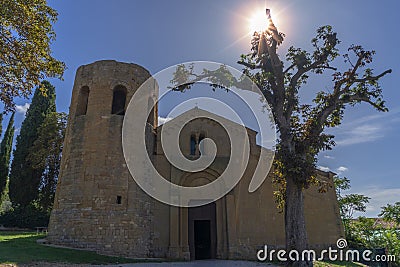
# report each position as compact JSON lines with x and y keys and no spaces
{"x":158,"y":34}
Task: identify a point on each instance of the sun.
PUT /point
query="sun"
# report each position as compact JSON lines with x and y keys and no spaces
{"x":258,"y":22}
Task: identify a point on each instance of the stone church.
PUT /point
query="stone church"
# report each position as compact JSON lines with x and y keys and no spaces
{"x":98,"y":206}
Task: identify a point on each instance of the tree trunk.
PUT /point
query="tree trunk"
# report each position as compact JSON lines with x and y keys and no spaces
{"x":295,"y":226}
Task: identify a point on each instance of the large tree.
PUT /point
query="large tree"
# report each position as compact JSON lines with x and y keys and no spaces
{"x":45,"y":155}
{"x":26,"y":33}
{"x":24,"y":178}
{"x":302,"y":127}
{"x":5,"y":153}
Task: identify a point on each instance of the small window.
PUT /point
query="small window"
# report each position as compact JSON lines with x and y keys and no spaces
{"x":83,"y":99}
{"x":192,"y":145}
{"x":119,"y":199}
{"x":201,"y":145}
{"x":151,"y":117}
{"x":119,"y":99}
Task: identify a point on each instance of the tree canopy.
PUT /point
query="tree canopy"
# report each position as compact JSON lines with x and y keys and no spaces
{"x":391,"y":213}
{"x":5,"y":153}
{"x":26,"y":34}
{"x":24,"y":178}
{"x":349,"y":203}
{"x":45,"y":154}
{"x":302,"y":127}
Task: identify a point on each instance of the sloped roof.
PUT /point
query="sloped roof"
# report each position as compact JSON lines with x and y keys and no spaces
{"x":197,"y":112}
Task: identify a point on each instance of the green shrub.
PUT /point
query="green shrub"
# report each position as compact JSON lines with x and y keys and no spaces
{"x":365,"y":233}
{"x":25,"y":217}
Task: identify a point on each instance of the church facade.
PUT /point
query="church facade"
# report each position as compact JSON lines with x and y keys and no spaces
{"x":98,"y":205}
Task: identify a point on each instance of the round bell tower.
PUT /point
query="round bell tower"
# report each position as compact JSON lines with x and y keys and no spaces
{"x":97,"y":203}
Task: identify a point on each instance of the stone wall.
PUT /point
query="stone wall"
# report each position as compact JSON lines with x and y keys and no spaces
{"x":98,"y":205}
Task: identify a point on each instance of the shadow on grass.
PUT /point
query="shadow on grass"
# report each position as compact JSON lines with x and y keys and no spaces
{"x":18,"y":247}
{"x":21,"y":247}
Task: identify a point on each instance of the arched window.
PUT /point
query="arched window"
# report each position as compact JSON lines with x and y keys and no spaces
{"x":201,"y":145}
{"x":119,"y":99}
{"x":151,"y":117}
{"x":83,"y":98}
{"x":192,"y":145}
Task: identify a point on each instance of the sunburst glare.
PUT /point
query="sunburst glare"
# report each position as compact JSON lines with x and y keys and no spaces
{"x":258,"y":21}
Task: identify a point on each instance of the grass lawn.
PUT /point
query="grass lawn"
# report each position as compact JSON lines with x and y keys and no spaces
{"x":18,"y":247}
{"x":21,"y":247}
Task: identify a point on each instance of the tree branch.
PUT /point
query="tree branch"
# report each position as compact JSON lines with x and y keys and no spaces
{"x":209,"y":76}
{"x":248,"y":65}
{"x":278,"y":88}
{"x":289,"y":68}
{"x":373,"y":78}
{"x":290,"y":103}
{"x":349,"y":79}
{"x":336,"y":100}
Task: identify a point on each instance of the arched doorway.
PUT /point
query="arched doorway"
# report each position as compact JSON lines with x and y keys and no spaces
{"x":208,"y":220}
{"x":202,"y":232}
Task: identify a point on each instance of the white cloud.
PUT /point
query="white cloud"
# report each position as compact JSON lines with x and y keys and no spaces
{"x":342,"y":169}
{"x":324,"y":169}
{"x":377,"y":116}
{"x":367,"y":128}
{"x":22,"y":109}
{"x":379,"y":197}
{"x":162,"y":120}
{"x":361,"y":134}
{"x":328,"y":157}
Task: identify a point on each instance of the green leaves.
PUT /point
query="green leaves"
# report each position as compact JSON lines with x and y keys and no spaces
{"x":45,"y":155}
{"x":24,"y":179}
{"x":26,"y":33}
{"x":391,"y":213}
{"x":372,"y":233}
{"x":325,"y":44}
{"x":48,"y":146}
{"x":350,"y":203}
{"x":298,"y":57}
{"x":5,"y":154}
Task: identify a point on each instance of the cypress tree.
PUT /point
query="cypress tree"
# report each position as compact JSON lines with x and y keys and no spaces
{"x":46,"y":154}
{"x":1,"y":126}
{"x":5,"y":153}
{"x":24,"y":179}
